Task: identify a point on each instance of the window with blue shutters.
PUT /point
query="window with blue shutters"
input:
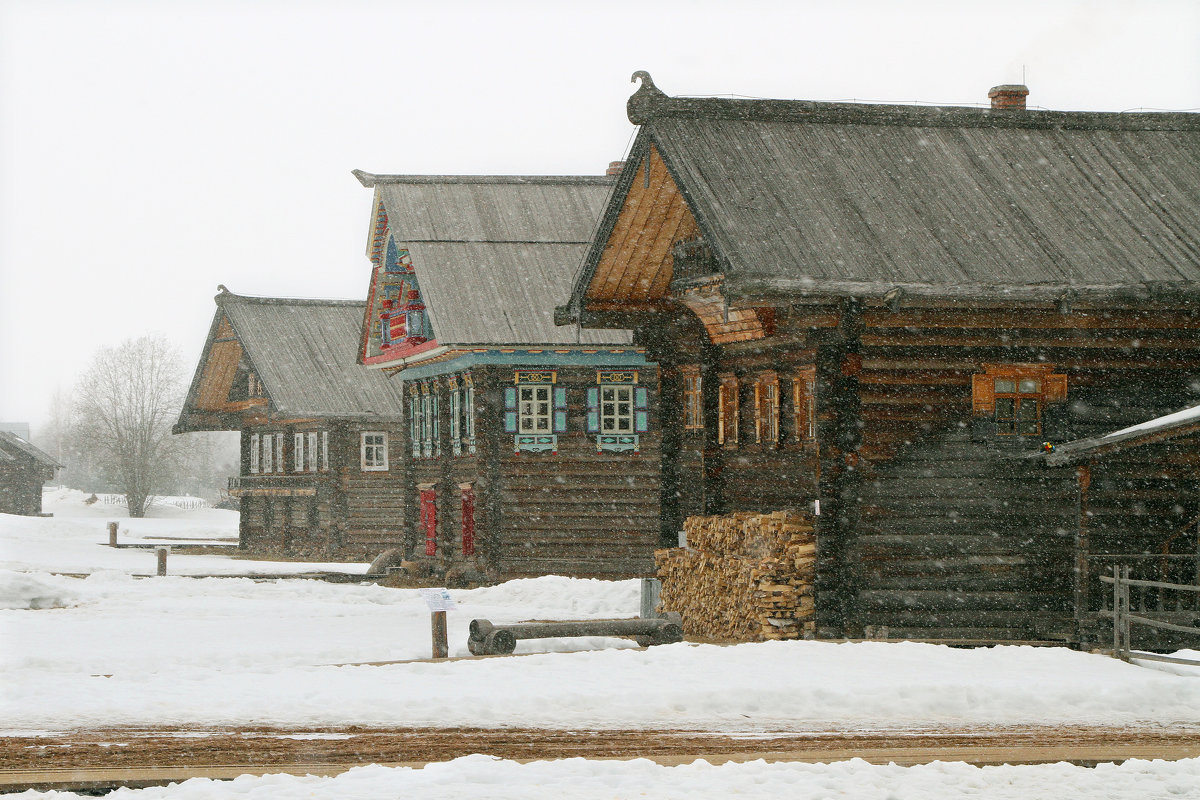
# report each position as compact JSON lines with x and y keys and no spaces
{"x":618,"y":411}
{"x":535,"y":411}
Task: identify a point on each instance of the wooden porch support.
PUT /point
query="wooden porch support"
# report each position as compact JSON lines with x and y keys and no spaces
{"x":1083,"y":477}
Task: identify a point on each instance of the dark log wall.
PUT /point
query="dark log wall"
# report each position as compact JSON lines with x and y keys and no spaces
{"x":930,"y":525}
{"x":575,"y":512}
{"x":958,"y":533}
{"x":21,"y":488}
{"x":353,"y":514}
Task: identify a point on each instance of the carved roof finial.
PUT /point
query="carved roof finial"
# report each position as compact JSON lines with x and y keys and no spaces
{"x":641,"y":104}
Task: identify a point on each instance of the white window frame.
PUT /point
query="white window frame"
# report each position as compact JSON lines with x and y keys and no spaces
{"x":533,"y":407}
{"x":324,"y":450}
{"x":310,"y":452}
{"x":616,"y":409}
{"x":298,"y":451}
{"x":254,"y":445}
{"x":268,"y":453}
{"x":280,"y":466}
{"x":373,"y":455}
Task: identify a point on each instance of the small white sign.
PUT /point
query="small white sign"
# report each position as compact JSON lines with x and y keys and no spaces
{"x":437,"y":599}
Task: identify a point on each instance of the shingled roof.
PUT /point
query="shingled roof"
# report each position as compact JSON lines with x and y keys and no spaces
{"x":494,"y":254}
{"x":851,"y":199}
{"x":303,"y":352}
{"x":14,"y":446}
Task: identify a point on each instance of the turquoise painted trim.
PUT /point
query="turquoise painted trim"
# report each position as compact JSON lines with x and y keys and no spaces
{"x":629,"y":359}
{"x":618,"y":444}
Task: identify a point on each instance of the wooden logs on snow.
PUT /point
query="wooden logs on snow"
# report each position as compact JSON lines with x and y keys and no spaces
{"x":742,"y":577}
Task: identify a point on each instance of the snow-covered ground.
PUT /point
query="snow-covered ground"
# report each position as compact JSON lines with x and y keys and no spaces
{"x":75,"y":539}
{"x":110,"y":649}
{"x":579,"y":779}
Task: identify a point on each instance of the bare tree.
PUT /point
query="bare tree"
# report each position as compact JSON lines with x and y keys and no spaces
{"x":125,"y":405}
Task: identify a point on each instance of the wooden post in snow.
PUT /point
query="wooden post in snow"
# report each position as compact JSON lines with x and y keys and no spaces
{"x":441,"y":648}
{"x":112,"y":534}
{"x":439,"y":602}
{"x":162,"y":560}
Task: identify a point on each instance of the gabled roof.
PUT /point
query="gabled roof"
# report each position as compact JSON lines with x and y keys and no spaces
{"x":846,"y":199}
{"x":15,"y":447}
{"x":1169,"y":426}
{"x":494,"y":254}
{"x":302,"y":351}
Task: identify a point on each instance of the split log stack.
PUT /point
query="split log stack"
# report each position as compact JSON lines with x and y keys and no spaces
{"x":743,"y":577}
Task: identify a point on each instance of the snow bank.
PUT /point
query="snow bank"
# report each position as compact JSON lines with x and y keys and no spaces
{"x":580,"y":779}
{"x":19,"y":590}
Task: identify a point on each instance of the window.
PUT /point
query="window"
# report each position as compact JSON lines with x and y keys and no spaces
{"x":1013,"y":396}
{"x":462,"y":414}
{"x":535,"y":410}
{"x":374,"y":452}
{"x":804,"y":405}
{"x":279,"y":465}
{"x":693,"y":403}
{"x":766,"y":409}
{"x":415,"y":420}
{"x":469,"y":412}
{"x":617,"y":410}
{"x":298,"y":451}
{"x":254,"y":453}
{"x":324,"y":450}
{"x":455,"y":417}
{"x":268,"y":453}
{"x":727,"y":411}
{"x":311,"y":451}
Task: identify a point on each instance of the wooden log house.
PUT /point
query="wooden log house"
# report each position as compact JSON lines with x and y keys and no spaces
{"x":320,"y":434}
{"x":880,"y":313}
{"x":529,"y":448}
{"x":24,"y":469}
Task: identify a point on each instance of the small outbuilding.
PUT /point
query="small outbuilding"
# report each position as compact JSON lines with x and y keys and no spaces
{"x":23,"y":470}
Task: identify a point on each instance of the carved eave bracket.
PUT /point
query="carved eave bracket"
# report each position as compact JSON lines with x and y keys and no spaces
{"x":725,"y":324}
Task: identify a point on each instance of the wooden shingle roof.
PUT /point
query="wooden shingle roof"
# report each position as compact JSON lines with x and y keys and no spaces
{"x":16,"y":448}
{"x":495,"y":254}
{"x":303,"y":352}
{"x":845,"y":199}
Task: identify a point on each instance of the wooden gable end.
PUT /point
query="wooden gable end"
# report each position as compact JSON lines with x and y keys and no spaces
{"x":218,"y":372}
{"x":636,"y":265}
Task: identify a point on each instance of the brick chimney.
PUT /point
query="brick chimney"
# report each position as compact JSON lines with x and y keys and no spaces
{"x":615,"y":167}
{"x":1009,"y":97}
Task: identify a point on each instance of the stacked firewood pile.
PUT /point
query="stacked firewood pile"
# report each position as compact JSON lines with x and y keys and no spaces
{"x":743,"y":577}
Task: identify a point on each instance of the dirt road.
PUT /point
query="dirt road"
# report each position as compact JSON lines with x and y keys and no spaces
{"x":149,"y":756}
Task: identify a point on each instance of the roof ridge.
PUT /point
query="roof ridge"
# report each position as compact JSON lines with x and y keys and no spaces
{"x":370,"y":179}
{"x":648,"y":104}
{"x":225,"y":296}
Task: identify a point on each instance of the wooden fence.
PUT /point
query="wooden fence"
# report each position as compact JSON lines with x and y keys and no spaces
{"x":1157,"y":605}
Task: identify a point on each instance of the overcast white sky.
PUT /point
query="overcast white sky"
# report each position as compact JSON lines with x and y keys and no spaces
{"x":151,"y":150}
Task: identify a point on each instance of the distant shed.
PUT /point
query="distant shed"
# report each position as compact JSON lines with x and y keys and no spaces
{"x":23,"y":470}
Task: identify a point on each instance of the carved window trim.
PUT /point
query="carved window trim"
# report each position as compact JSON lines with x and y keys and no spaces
{"x":804,"y":404}
{"x":727,"y":410}
{"x":766,"y":409}
{"x":1014,"y":396}
{"x":693,"y":400}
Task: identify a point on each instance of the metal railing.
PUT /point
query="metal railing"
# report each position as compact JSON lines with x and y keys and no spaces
{"x":1130,"y":595}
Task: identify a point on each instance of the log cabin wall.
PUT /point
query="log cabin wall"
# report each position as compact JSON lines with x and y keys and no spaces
{"x":931,"y":524}
{"x":577,"y":511}
{"x":958,"y":534}
{"x":337,"y":510}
